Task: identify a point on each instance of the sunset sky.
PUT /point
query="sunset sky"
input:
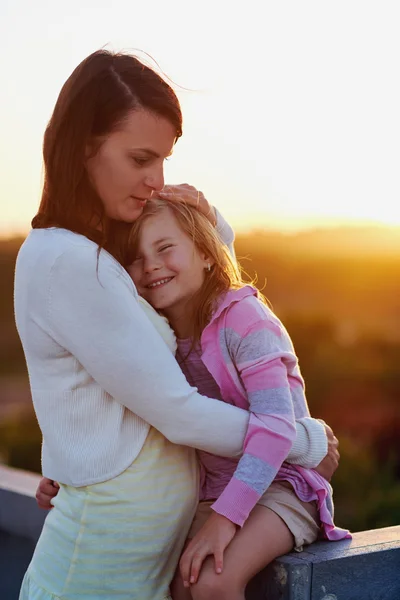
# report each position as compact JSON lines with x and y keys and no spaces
{"x":291,"y":108}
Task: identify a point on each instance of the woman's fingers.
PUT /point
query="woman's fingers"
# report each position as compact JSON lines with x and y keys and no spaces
{"x":190,"y":195}
{"x":330,"y":463}
{"x":183,"y":193}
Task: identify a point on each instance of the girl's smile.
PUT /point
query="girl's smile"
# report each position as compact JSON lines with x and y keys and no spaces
{"x":159,"y":282}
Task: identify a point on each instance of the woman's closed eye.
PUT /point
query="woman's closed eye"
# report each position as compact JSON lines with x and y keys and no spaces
{"x":166,"y":247}
{"x":141,"y":162}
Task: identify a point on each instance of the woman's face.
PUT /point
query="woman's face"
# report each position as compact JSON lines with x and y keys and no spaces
{"x":168,"y":269}
{"x":128,"y":166}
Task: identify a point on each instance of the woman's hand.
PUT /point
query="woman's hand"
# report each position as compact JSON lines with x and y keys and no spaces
{"x":46,"y":491}
{"x":188,"y":194}
{"x":330,"y":463}
{"x":212,"y":539}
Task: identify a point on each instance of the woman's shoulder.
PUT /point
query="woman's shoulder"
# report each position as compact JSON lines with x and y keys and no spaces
{"x":49,"y":246}
{"x":48,"y":254}
{"x":55,"y":241}
{"x":51,"y":243}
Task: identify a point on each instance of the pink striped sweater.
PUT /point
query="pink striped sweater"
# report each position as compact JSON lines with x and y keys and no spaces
{"x":249,"y":355}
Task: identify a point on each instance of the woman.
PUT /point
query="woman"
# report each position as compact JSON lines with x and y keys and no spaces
{"x":116,"y":413}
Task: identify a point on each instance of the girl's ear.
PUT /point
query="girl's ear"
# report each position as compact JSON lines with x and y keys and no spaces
{"x":208,"y":261}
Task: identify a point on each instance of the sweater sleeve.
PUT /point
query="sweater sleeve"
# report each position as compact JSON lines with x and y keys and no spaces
{"x":262,"y":359}
{"x":93,"y":312}
{"x":310,"y":445}
{"x":225,"y":232}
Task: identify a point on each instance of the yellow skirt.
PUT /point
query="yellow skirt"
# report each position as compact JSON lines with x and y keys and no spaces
{"x":121,"y":538}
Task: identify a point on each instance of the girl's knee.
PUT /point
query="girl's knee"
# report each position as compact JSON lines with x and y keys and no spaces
{"x":213,"y":586}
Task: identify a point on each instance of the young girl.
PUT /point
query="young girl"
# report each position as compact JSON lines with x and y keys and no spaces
{"x":231,"y":346}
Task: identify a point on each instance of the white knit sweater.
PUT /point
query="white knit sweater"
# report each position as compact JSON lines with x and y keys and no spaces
{"x":100,"y":373}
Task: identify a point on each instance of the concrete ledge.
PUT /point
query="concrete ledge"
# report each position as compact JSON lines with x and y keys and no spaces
{"x":19,"y":512}
{"x":364,"y":568}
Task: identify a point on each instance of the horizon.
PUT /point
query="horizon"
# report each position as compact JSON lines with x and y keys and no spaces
{"x":371,"y":227}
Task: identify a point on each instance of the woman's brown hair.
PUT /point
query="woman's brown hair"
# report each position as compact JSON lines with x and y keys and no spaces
{"x":94,"y":100}
{"x":224,"y":273}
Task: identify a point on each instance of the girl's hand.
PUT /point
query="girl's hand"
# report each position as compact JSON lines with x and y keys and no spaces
{"x":212,"y":539}
{"x":330,"y":463}
{"x":189,"y":194}
{"x":46,"y":491}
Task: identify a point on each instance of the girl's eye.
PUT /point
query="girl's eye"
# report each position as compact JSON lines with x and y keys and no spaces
{"x":165,"y":247}
{"x":137,"y":258}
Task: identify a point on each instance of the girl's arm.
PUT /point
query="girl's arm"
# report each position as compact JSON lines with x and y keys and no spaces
{"x":264,"y":359}
{"x":93,"y":312}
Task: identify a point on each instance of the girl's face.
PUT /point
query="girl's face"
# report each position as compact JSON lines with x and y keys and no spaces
{"x":168,"y":269}
{"x":129,"y":164}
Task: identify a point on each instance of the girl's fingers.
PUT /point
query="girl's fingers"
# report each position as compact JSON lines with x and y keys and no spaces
{"x":197,"y":562}
{"x":45,"y":492}
{"x":43,"y":503}
{"x":185,"y":565}
{"x":191,"y":563}
{"x":219,"y":560}
{"x":43,"y":500}
{"x":46,"y":488}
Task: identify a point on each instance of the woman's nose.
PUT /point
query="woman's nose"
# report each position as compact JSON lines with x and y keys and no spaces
{"x":155,"y":179}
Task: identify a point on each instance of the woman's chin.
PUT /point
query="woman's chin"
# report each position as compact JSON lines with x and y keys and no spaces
{"x":132,"y":215}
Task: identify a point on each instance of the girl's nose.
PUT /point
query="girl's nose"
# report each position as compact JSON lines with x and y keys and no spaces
{"x":151,"y":264}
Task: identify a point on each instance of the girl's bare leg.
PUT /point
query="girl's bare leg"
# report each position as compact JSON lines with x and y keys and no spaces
{"x":178,"y":591}
{"x":263,"y":538}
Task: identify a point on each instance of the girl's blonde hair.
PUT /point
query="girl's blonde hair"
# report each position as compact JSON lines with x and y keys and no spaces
{"x":224,"y":273}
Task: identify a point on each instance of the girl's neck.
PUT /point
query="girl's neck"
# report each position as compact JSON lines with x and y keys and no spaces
{"x":181,"y":322}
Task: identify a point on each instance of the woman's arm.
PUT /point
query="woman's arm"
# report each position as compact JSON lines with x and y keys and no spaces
{"x":225,"y":232}
{"x":310,"y":446}
{"x":93,"y":312}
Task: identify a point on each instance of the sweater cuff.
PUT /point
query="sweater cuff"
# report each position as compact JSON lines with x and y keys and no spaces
{"x":236,"y":501}
{"x":225,"y":232}
{"x":310,"y":445}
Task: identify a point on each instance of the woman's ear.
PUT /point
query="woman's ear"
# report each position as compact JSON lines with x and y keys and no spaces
{"x":92,"y":147}
{"x":89,"y":150}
